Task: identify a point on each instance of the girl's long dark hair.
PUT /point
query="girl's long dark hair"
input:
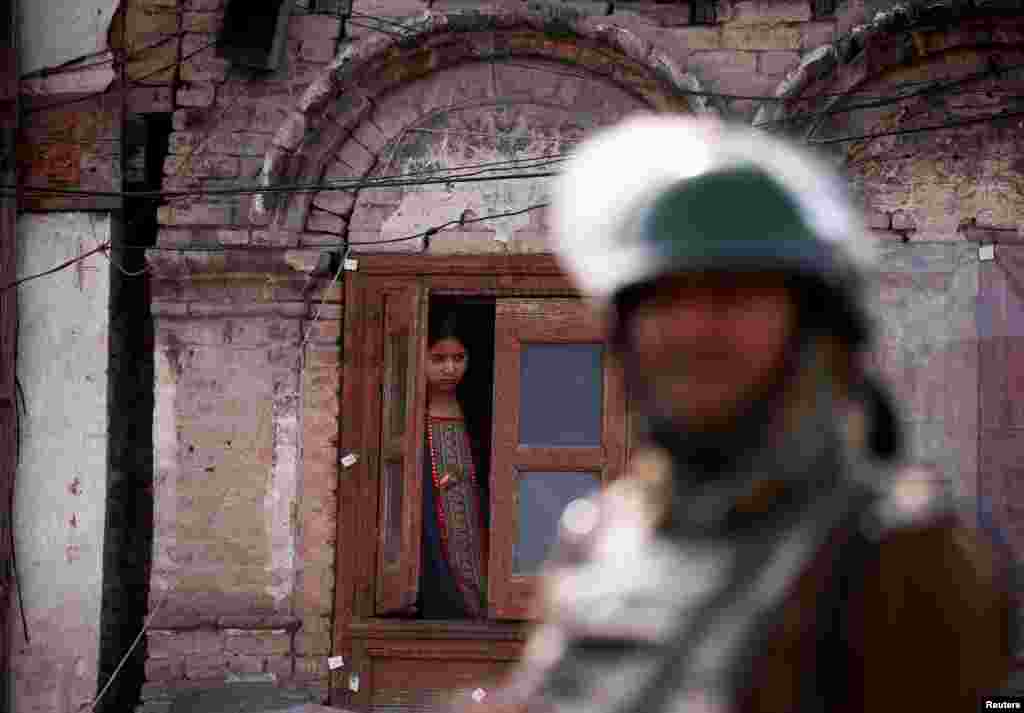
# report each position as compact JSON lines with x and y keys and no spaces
{"x":445,"y":324}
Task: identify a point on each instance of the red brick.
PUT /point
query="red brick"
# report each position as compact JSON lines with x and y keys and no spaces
{"x":313,"y":644}
{"x":203,"y":66}
{"x":320,"y":221}
{"x":816,"y":34}
{"x":311,"y":667}
{"x":325,"y":331}
{"x":761,"y":37}
{"x":316,"y":624}
{"x":240,"y":663}
{"x":149,"y":100}
{"x":369,"y":216}
{"x":381,"y":196}
{"x":371,"y":137}
{"x":201,"y":214}
{"x":903,"y":220}
{"x":394,"y":115}
{"x":713,"y":61}
{"x":198,"y":94}
{"x":269,"y":642}
{"x":207,"y":22}
{"x":182,"y":142}
{"x":208,"y":640}
{"x":199,"y":163}
{"x":317,"y":50}
{"x":769,"y":12}
{"x":239,"y":143}
{"x":171,"y":669}
{"x":659,"y":13}
{"x":165,"y":644}
{"x":280,"y":666}
{"x":290,"y":134}
{"x":388,"y":10}
{"x":357,"y":157}
{"x":280,"y":238}
{"x":314,"y":27}
{"x":699,"y":38}
{"x":253,"y":115}
{"x":314,"y":600}
{"x":184,"y":119}
{"x":339,"y":202}
{"x":778,"y":63}
{"x":200,"y":666}
{"x":339,"y":173}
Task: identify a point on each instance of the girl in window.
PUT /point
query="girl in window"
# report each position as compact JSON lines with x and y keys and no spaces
{"x":452,"y":579}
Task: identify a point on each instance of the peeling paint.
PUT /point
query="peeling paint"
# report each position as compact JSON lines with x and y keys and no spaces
{"x":280,"y":498}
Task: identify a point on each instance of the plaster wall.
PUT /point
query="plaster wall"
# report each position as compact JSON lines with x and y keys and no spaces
{"x":60,"y":497}
{"x":53,"y":32}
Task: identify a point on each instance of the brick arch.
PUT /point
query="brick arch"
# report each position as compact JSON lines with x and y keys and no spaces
{"x":476,"y":114}
{"x":923,"y":186}
{"x":337,"y":105}
{"x":902,"y":35}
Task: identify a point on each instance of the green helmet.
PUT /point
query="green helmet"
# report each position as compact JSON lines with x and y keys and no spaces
{"x":662,"y":194}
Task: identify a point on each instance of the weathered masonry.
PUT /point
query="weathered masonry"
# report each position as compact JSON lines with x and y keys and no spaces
{"x":272,"y":356}
{"x":336,"y":170}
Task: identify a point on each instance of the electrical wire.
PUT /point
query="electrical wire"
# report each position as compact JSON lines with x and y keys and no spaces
{"x":444,"y":226}
{"x":319,"y":309}
{"x":918,"y":130}
{"x":70,"y":67}
{"x":58,"y":268}
{"x":289,"y":189}
{"x":932,"y":86}
{"x":135,"y":82}
{"x":145,"y":627}
{"x":392,"y":183}
{"x":410,"y":27}
{"x":593,"y":74}
{"x":209,"y":133}
{"x":19,"y":413}
{"x":452,"y":180}
{"x":357,"y":183}
{"x":127,"y":273}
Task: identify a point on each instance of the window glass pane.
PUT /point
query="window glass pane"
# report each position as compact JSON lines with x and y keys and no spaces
{"x":541,"y":499}
{"x":393,"y":490}
{"x":560,"y":395}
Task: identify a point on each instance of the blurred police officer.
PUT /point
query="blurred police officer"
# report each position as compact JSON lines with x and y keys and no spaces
{"x":762,"y":554}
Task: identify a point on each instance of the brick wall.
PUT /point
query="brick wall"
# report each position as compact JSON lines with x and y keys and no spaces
{"x":247,"y":405}
{"x":246,"y":445}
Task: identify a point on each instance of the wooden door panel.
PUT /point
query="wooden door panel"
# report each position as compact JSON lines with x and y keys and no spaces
{"x":402,"y":414}
{"x":422,"y":675}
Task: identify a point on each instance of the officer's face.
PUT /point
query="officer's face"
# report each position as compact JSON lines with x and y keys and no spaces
{"x":700,"y":344}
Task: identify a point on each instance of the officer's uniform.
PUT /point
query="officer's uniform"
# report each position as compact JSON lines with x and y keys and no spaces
{"x":902,"y":607}
{"x":789,"y":570}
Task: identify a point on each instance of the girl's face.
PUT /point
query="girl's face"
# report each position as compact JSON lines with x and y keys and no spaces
{"x":446,"y":364}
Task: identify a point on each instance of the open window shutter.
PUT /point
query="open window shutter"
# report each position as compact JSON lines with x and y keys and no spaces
{"x":401,"y":458}
{"x":560,"y":433}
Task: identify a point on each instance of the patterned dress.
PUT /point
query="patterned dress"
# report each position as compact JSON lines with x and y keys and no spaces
{"x":452,"y":581}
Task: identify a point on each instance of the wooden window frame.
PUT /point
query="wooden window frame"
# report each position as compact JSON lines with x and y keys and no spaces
{"x":541,"y":321}
{"x":356,"y":630}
